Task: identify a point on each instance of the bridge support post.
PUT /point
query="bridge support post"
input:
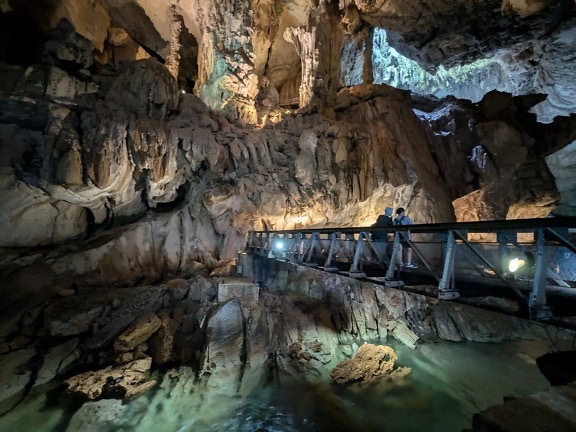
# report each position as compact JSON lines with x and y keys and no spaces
{"x":537,"y":303}
{"x":395,"y":250}
{"x":294,"y":251}
{"x":354,"y":271}
{"x":312,"y":245}
{"x":505,"y":238}
{"x":335,"y":237}
{"x":446,"y":289}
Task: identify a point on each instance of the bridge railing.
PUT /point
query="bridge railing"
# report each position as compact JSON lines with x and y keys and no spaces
{"x":530,"y":255}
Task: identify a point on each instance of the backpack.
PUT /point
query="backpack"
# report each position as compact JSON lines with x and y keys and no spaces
{"x":399,"y":222}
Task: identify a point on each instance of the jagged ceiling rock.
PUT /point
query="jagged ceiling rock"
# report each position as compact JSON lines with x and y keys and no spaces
{"x":491,"y":156}
{"x":446,"y":33}
{"x":230,"y":52}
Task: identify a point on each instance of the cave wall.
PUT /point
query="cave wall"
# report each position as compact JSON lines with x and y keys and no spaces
{"x":497,"y":160}
{"x":134,"y":185}
{"x":106,"y":154}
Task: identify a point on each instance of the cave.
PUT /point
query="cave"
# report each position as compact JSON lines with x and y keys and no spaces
{"x":145,"y":146}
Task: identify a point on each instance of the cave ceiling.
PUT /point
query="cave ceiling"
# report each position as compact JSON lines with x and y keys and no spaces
{"x":235,"y":49}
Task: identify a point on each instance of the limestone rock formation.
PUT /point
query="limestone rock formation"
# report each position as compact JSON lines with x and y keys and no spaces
{"x":141,"y":140}
{"x":139,"y":332}
{"x":122,"y":382}
{"x":490,"y":155}
{"x":370,"y":363}
{"x":107,"y":158}
{"x":175,"y":152}
{"x":302,"y":327}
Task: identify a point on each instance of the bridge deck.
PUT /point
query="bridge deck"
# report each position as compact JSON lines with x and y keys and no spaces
{"x":458,"y":262}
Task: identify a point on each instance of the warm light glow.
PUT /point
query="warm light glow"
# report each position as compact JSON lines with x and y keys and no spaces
{"x":515,"y":264}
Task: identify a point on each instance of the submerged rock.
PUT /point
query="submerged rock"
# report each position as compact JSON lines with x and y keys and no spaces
{"x":558,"y":367}
{"x":14,"y":376}
{"x":58,"y":360}
{"x":551,"y":410}
{"x":100,"y":416}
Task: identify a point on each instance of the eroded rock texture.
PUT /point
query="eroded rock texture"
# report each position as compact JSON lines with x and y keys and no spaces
{"x":304,"y":324}
{"x":233,"y":53}
{"x":130,"y":147}
{"x":371,"y":363}
{"x":139,"y":141}
{"x":492,"y":156}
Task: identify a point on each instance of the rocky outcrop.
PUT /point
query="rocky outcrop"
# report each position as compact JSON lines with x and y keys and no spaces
{"x":369,"y":364}
{"x":562,"y":164}
{"x":123,"y":382}
{"x":302,"y":326}
{"x":194,"y":183}
{"x":138,"y":333}
{"x":490,"y":155}
{"x":553,"y":408}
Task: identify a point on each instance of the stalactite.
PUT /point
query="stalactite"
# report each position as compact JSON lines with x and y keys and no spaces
{"x":305,"y":43}
{"x":173,"y":58}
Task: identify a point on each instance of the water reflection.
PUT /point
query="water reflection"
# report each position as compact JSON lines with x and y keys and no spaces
{"x":448,"y":384}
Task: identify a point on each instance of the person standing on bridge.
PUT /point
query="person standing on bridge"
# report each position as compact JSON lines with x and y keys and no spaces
{"x":405,"y":238}
{"x":380,"y":238}
{"x":383,"y":221}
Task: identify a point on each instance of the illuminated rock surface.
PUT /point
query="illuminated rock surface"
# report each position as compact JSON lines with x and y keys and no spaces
{"x":221,"y":352}
{"x":369,"y":364}
{"x":141,"y":140}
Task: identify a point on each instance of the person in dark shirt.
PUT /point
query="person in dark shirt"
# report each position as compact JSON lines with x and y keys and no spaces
{"x":380,"y":238}
{"x":383,"y":221}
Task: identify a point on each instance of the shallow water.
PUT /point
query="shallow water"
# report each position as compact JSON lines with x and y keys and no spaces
{"x":448,"y":384}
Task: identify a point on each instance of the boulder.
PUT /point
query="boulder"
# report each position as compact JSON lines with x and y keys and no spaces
{"x":138,"y":333}
{"x":370,"y":363}
{"x":122,"y":382}
{"x":58,"y":360}
{"x":162,"y":342}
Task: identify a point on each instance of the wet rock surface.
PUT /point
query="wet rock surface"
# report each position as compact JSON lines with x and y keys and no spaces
{"x":369,"y":364}
{"x":553,"y":409}
{"x":300,"y":330}
{"x":121,"y":382}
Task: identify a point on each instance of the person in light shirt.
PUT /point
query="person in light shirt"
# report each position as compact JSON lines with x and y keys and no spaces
{"x":405,"y":236}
